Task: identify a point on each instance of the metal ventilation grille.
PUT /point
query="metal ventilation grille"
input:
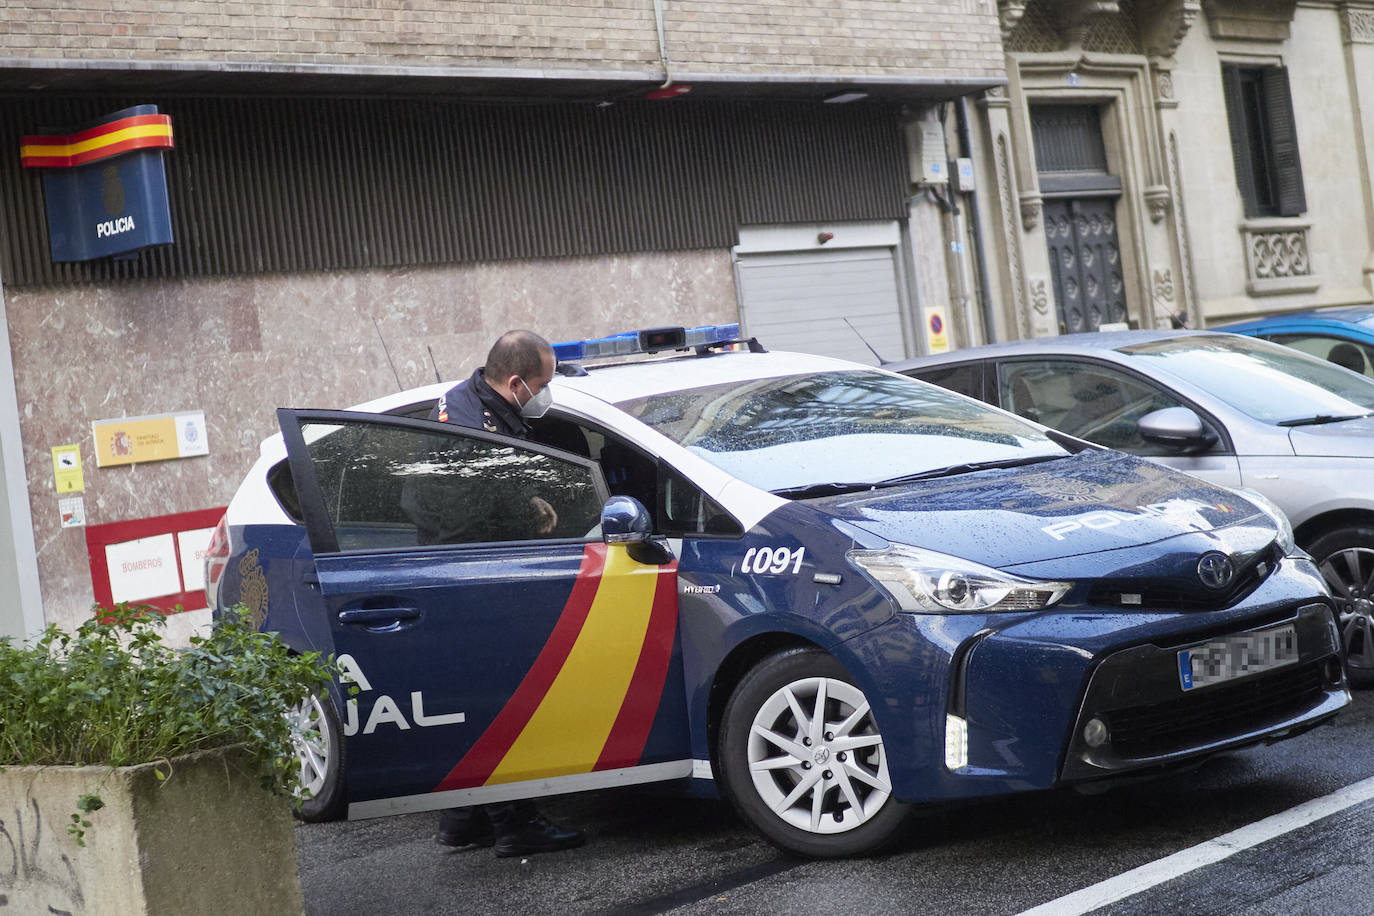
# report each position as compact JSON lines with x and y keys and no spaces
{"x":1035,"y":33}
{"x":265,"y":184}
{"x":1215,"y":712}
{"x":1116,"y":33}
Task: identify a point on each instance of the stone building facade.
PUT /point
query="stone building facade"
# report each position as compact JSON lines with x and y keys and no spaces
{"x":1122,"y":159}
{"x":312,"y":286}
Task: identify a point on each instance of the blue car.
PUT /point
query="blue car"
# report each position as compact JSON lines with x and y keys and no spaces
{"x":1342,"y":334}
{"x":824,"y":591}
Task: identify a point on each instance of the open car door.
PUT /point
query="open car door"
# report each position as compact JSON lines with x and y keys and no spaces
{"x":494,"y":645}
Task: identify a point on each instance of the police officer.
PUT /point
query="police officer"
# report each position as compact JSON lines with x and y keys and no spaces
{"x":499,"y":397}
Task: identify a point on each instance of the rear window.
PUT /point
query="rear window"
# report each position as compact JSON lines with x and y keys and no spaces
{"x":284,"y":489}
{"x":965,"y":378}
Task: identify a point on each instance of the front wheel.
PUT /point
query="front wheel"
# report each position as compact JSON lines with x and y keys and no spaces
{"x":317,"y":740}
{"x":803,"y":761}
{"x":1346,"y":560}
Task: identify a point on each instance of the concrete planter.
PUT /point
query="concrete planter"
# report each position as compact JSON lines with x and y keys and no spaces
{"x":208,"y":840}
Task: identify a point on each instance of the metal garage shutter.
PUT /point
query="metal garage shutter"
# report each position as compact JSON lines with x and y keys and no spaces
{"x":798,"y":301}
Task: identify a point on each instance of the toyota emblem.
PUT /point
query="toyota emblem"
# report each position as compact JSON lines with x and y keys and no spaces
{"x":1215,"y":570}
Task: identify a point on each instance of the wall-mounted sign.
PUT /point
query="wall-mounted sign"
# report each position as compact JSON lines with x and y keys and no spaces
{"x":104,"y":183}
{"x":66,"y":468}
{"x":157,"y":561}
{"x":130,"y":440}
{"x":937,"y":334}
{"x":72,"y":511}
{"x":144,"y":568}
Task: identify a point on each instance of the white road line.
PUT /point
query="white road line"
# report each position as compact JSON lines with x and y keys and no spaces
{"x":1147,"y":876}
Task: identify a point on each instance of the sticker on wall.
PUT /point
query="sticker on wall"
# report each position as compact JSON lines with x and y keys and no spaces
{"x":72,"y":510}
{"x":130,"y":440}
{"x":66,"y":469}
{"x":937,"y":334}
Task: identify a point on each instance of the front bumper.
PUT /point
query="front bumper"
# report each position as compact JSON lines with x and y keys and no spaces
{"x":1023,"y":688}
{"x":1151,"y":721}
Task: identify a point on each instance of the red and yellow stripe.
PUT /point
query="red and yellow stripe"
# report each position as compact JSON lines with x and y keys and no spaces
{"x":589,"y":700}
{"x":149,"y":131}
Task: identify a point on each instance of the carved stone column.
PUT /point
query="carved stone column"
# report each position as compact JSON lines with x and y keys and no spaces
{"x":1357,"y":29}
{"x":1029,"y":319}
{"x":1163,"y":25}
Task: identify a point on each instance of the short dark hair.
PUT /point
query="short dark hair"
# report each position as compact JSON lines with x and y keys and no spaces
{"x":517,"y":353}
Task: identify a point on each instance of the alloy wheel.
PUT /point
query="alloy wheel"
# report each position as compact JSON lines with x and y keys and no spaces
{"x":1349,"y":573}
{"x":816,"y":757}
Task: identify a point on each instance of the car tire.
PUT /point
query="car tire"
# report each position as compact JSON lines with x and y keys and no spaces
{"x":1345,"y":557}
{"x":856,"y":813}
{"x":319,"y":746}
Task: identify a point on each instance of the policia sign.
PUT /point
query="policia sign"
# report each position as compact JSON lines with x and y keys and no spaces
{"x":104,"y":184}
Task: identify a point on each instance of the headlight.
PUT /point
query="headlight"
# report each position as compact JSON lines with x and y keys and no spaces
{"x":926,"y":582}
{"x":1285,"y":538}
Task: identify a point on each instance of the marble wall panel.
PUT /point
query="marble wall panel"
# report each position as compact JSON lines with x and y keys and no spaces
{"x":239,"y":347}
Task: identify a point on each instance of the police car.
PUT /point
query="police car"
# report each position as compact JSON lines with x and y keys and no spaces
{"x":825,"y":591}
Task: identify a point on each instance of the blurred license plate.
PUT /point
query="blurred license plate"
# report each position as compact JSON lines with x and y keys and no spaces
{"x":1237,"y":656}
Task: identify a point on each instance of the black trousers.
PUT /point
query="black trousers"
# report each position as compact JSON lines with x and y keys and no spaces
{"x":505,"y":817}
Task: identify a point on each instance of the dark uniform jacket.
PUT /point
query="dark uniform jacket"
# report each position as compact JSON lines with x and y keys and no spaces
{"x":493,"y":504}
{"x":476,"y":404}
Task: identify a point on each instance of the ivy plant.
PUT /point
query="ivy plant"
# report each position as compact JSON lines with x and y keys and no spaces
{"x":113,"y":693}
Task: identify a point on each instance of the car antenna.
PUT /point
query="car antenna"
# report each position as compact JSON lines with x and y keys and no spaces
{"x":397,"y":375}
{"x":433,"y":363}
{"x":881,"y":361}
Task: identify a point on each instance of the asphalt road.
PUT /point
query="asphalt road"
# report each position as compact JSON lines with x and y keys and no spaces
{"x":651,"y":854}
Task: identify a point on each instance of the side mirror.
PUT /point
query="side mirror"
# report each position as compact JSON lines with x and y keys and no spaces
{"x":1176,"y":428}
{"x":624,"y":520}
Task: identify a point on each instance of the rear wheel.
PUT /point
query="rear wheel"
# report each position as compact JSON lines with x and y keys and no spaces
{"x":803,"y":761}
{"x":318,"y":743}
{"x":1346,"y":560}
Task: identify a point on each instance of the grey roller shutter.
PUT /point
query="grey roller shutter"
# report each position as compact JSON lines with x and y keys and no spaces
{"x":800,"y":301}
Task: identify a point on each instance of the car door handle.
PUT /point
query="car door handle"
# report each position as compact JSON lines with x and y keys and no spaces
{"x":371,"y":616}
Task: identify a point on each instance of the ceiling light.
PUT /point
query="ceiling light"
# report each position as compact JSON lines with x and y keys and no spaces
{"x":841,"y":97}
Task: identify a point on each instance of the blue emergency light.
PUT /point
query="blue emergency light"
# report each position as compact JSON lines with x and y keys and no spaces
{"x":650,"y":340}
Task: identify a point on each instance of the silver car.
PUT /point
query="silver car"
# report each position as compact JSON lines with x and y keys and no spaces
{"x":1233,"y":410}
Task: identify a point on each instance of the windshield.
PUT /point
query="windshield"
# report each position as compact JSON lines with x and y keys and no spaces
{"x":849,"y":428}
{"x":1266,"y":381}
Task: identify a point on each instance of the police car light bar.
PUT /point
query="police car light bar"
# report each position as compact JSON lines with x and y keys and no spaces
{"x":651,"y":340}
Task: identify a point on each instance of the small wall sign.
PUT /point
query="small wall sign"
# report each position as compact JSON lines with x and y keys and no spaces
{"x":66,"y":469}
{"x":130,"y":440}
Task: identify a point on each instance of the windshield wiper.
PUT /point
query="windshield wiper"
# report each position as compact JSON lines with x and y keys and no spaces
{"x":968,"y":468}
{"x":1320,"y":419}
{"x":809,"y":490}
{"x":806,"y":491}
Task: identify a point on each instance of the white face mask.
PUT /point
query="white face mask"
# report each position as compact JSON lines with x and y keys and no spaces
{"x":538,"y":404}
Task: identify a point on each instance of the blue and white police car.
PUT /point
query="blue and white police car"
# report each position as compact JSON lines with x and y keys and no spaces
{"x":826,"y":591}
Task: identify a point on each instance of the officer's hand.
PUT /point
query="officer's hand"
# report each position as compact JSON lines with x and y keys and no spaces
{"x":545,"y":519}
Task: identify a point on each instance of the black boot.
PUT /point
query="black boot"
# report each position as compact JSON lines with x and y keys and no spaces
{"x":521,"y":831}
{"x":464,"y":828}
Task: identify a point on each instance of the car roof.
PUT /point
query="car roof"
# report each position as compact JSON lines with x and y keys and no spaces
{"x":1336,"y":314}
{"x":1091,"y":343}
{"x":614,"y":382}
{"x":621,"y":381}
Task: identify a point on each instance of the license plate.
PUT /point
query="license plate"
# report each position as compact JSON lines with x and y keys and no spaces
{"x":1237,"y":656}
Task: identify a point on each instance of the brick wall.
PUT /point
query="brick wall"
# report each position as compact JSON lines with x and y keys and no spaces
{"x":936,"y":38}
